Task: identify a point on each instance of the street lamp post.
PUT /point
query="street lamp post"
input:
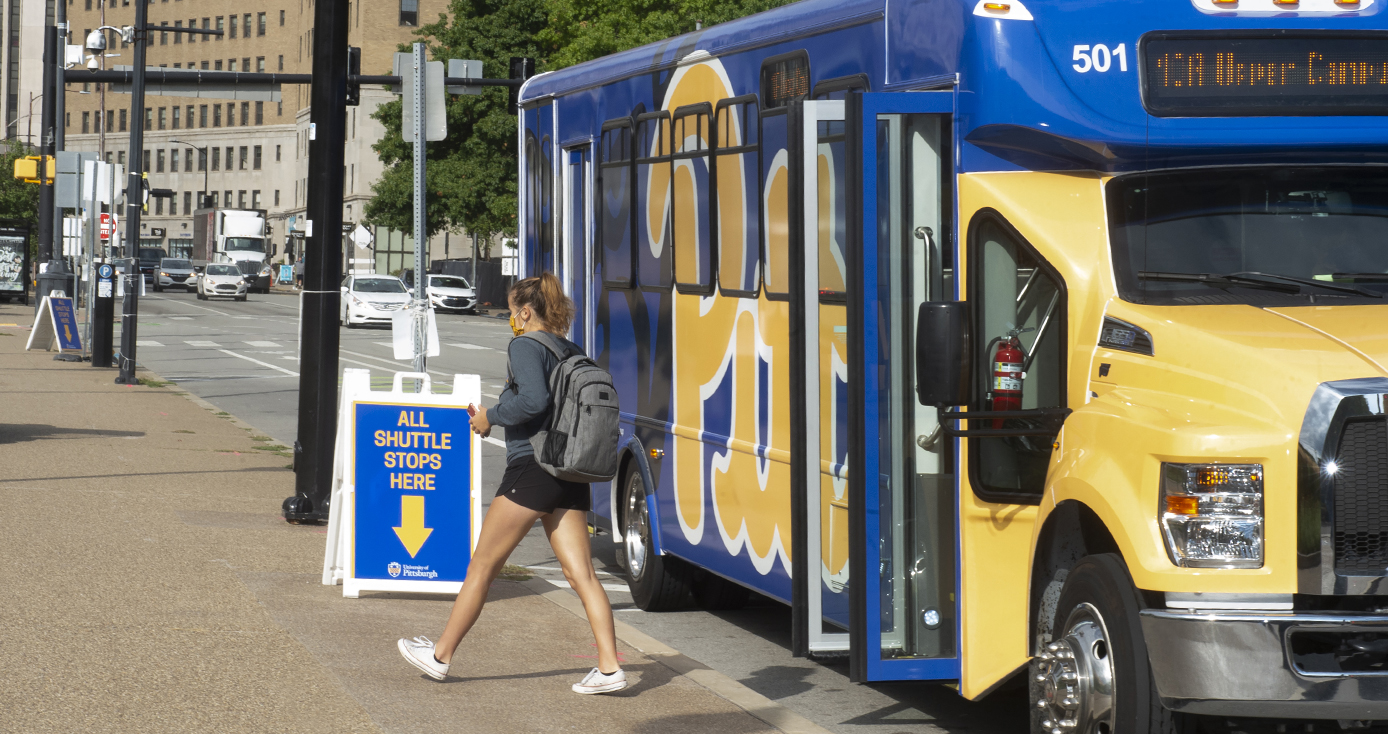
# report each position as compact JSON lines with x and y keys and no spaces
{"x":202,"y":149}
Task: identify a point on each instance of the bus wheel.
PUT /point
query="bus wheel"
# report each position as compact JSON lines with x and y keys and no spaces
{"x":1093,"y":677}
{"x":658,"y":583}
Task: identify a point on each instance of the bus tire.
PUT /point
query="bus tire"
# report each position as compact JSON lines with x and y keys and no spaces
{"x":713,"y":592}
{"x":1095,"y":671}
{"x":658,"y":583}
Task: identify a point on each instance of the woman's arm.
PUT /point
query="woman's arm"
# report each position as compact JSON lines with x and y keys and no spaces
{"x":530,"y":398}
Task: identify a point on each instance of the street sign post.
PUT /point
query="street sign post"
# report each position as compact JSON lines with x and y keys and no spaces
{"x":406,"y":504}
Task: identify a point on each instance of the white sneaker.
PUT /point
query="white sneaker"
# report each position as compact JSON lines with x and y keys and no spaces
{"x":596,"y":682}
{"x":420,"y":653}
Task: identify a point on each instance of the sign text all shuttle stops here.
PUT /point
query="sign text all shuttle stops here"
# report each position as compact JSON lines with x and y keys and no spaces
{"x":406,"y":514}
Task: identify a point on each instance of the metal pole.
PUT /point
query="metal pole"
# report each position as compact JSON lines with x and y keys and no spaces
{"x":313,"y":451}
{"x":50,"y":62}
{"x":134,"y":188}
{"x":59,"y":134}
{"x":420,"y":307}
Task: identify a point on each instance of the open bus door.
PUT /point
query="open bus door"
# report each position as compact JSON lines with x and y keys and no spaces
{"x":875,"y":565}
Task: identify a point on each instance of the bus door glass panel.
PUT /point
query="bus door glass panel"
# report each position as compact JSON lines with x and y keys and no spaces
{"x":690,"y":146}
{"x":826,"y":376}
{"x":738,"y":196}
{"x":775,"y":162}
{"x":1016,"y":296}
{"x":578,"y":253}
{"x":614,"y":204}
{"x":916,"y":528}
{"x":539,"y":160}
{"x":654,"y":235}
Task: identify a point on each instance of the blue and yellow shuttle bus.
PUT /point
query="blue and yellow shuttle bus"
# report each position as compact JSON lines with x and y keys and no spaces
{"x":1000,"y":338}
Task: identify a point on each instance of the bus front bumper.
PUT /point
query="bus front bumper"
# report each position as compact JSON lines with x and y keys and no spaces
{"x":1305,"y":665}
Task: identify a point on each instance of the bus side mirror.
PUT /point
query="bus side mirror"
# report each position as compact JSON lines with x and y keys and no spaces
{"x":943,"y":355}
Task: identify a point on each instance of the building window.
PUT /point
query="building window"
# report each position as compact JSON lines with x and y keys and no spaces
{"x":173,"y":158}
{"x":279,"y":109}
{"x":187,"y":202}
{"x":89,"y":4}
{"x":110,"y":121}
{"x":193,"y":23}
{"x":226,"y":197}
{"x":277,"y":197}
{"x":281,"y":18}
{"x":202,"y":115}
{"x":120,"y":157}
{"x":216,"y":115}
{"x":159,"y":206}
{"x":204,"y":66}
{"x":260,"y":64}
{"x":409,"y":12}
{"x":260,"y":24}
{"x":67,"y":119}
{"x":256,"y":158}
{"x":230,"y":152}
{"x":144,"y":160}
{"x":122,"y":120}
{"x":178,"y":37}
{"x":176,"y":110}
{"x":221,"y":26}
{"x":159,"y":161}
{"x":188,"y":164}
{"x":245,"y":113}
{"x":240,"y":199}
{"x":207,"y":25}
{"x":202,"y":159}
{"x":260,"y":113}
{"x":243,"y":158}
{"x":277,"y":154}
{"x":214,"y":200}
{"x":246,"y":64}
{"x":234,"y":24}
{"x":173,"y":204}
{"x":281,"y":63}
{"x":255,"y":199}
{"x":164,"y":35}
{"x":216,"y":65}
{"x":216,"y":159}
{"x":87,"y":116}
{"x":246,"y":25}
{"x":149,"y":119}
{"x":163,"y":117}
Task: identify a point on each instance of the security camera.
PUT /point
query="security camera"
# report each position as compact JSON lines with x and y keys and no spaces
{"x":93,"y":62}
{"x":96,"y":43}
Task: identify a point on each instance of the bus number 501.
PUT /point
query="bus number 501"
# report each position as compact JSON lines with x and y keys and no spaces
{"x":1099,"y":58}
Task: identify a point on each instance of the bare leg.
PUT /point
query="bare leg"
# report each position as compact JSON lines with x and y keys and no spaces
{"x":502,"y":530}
{"x":568,"y":535}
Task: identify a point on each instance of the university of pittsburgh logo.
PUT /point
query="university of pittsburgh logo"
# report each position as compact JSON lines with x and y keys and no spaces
{"x":393,"y":569}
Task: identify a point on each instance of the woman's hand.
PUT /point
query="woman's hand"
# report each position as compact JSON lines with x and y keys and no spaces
{"x":480,"y":424}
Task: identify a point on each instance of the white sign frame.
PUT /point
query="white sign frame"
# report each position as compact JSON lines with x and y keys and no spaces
{"x":339,"y":559}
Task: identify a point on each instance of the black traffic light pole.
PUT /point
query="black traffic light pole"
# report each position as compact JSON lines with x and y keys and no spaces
{"x":46,"y":143}
{"x":134,"y":200}
{"x":318,"y":338}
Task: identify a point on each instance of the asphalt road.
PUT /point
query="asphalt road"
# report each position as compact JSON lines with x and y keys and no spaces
{"x":242,"y":358}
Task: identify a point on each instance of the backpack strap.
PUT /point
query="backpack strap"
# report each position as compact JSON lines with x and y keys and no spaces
{"x":552,"y":343}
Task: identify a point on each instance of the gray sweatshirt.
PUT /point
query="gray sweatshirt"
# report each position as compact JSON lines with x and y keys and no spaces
{"x":525,"y":403}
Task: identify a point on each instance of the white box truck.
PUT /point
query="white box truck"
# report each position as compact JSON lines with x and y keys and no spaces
{"x":234,"y":236}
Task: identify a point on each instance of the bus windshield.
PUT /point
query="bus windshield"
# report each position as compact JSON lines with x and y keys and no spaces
{"x":245,"y":244}
{"x":1261,"y":235}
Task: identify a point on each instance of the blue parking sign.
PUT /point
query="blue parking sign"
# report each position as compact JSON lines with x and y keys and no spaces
{"x":413,"y":477}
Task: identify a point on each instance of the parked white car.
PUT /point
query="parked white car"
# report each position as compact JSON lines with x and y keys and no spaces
{"x":175,"y":273}
{"x":221,"y":280}
{"x":371,"y":299}
{"x":451,"y":293}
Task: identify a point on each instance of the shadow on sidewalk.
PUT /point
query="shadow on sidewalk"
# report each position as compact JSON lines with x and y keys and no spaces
{"x":21,"y":432}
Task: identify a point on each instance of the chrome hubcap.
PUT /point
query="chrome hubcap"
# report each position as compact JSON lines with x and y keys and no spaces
{"x":638,"y":530}
{"x":1076,"y":677}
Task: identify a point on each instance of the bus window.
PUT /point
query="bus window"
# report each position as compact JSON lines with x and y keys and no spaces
{"x":737,"y":193}
{"x":653,"y":226}
{"x":614,"y":203}
{"x":539,"y":185}
{"x":784,"y":78}
{"x":1015,"y":294}
{"x":839,"y":87}
{"x":832,"y":213}
{"x":690,"y":171}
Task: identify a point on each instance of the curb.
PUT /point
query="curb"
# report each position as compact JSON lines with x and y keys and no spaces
{"x":759,"y":706}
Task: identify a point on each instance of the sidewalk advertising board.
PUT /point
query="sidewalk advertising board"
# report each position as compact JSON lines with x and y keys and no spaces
{"x":286,"y":274}
{"x":56,"y":323}
{"x":14,"y":261}
{"x":406,"y":504}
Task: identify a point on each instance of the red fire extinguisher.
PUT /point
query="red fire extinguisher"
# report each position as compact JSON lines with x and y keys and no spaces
{"x":1007,"y":376}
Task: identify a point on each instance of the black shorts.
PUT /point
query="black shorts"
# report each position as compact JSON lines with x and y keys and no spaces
{"x":531,"y":487}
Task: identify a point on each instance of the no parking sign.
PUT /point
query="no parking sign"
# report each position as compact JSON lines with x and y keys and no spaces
{"x":406,"y":507}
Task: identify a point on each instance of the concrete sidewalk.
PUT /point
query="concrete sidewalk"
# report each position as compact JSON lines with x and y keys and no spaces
{"x":150,"y":585}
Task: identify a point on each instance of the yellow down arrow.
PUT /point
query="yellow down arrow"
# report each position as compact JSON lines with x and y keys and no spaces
{"x":412,"y":532}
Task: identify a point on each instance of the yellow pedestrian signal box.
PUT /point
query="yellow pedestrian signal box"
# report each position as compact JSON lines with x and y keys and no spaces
{"x":26,"y":169}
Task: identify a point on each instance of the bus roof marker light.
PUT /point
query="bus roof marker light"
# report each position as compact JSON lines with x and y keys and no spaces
{"x":1010,"y":10}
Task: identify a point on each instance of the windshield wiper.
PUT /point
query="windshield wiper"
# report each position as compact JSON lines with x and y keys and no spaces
{"x":1311,"y":282}
{"x":1219,"y":281}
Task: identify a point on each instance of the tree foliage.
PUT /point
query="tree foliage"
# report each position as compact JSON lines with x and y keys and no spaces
{"x":18,"y":200}
{"x":471,"y":181}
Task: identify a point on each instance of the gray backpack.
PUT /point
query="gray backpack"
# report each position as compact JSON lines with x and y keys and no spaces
{"x":579,"y":440}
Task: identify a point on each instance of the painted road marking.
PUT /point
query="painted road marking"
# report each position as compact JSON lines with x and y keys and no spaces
{"x":262,"y":364}
{"x":269,"y":345}
{"x":180,"y":318}
{"x":202,"y":344}
{"x":495,"y":441}
{"x":147,"y":343}
{"x":465,"y":345}
{"x":622,"y":588}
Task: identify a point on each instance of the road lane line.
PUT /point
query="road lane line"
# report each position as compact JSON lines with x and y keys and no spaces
{"x":262,"y":364}
{"x":200,"y":343}
{"x":263,"y":344}
{"x":194,"y":305}
{"x":147,"y":343}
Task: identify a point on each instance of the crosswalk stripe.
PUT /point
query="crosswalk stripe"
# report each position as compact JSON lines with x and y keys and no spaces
{"x":202,"y":344}
{"x":464,"y":345}
{"x":147,"y":343}
{"x":271,"y":345}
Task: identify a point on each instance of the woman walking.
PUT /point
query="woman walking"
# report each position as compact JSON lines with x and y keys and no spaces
{"x":527,"y":493}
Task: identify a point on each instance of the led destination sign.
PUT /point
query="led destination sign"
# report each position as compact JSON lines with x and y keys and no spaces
{"x":1244,"y":76}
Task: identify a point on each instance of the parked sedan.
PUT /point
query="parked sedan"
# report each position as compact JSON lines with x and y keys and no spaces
{"x":175,"y":273}
{"x":221,"y":280}
{"x":371,"y":299}
{"x":451,"y":293}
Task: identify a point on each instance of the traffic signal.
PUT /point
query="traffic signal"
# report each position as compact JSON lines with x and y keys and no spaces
{"x":26,"y":169}
{"x":353,"y":69}
{"x":522,"y":68}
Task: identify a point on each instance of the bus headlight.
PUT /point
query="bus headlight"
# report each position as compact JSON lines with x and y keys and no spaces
{"x":1212,"y":514}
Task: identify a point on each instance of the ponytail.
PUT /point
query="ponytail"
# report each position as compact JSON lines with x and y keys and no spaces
{"x":545,"y":295}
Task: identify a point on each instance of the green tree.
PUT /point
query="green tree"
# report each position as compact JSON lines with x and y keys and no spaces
{"x":18,"y":200}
